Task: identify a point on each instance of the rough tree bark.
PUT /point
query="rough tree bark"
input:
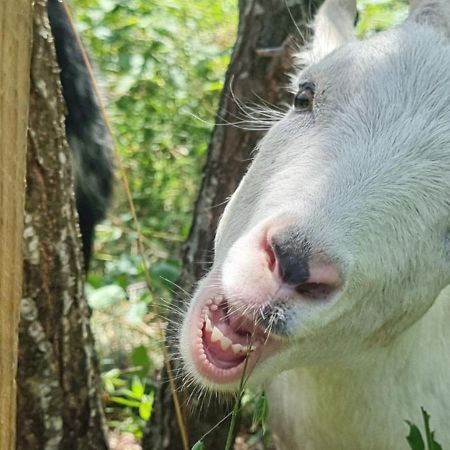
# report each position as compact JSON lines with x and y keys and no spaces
{"x":269,"y":32}
{"x":15,"y":38}
{"x":58,"y":402}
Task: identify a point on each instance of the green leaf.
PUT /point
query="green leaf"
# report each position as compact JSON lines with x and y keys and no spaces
{"x":261,"y":411}
{"x":166,"y":270}
{"x":436,"y":445}
{"x":431,"y":443}
{"x":199,"y":445}
{"x":111,"y":380}
{"x":126,"y":402}
{"x":137,"y":387}
{"x":140,"y":358}
{"x":414,"y":437}
{"x":145,"y":410}
{"x":129,"y":393}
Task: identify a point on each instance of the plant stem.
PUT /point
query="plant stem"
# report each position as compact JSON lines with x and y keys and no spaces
{"x":216,"y":425}
{"x":237,"y":405}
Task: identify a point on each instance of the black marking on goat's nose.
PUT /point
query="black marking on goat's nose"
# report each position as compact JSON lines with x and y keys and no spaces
{"x":292,"y":261}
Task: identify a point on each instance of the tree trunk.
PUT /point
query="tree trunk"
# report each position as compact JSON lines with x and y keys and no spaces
{"x":58,"y":402}
{"x":15,"y":38}
{"x":268,"y":35}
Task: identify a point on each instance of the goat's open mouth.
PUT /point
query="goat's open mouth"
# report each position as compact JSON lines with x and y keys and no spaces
{"x":224,"y":340}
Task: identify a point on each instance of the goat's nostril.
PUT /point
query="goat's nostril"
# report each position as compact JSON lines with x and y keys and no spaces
{"x":323,"y":282}
{"x":293,"y":266}
{"x":271,"y":258}
{"x":315,"y":291}
{"x":325,"y":274}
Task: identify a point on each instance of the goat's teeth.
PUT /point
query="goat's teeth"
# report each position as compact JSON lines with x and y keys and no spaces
{"x":216,"y":334}
{"x":208,"y":324}
{"x":237,"y":348}
{"x":225,"y":343}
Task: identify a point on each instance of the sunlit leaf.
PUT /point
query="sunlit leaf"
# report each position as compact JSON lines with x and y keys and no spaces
{"x":137,"y":387}
{"x":125,"y":402}
{"x":145,"y":409}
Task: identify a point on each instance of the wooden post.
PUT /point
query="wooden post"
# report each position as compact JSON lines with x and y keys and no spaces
{"x":15,"y":36}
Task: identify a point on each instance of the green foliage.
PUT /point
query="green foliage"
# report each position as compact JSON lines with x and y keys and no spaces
{"x":141,"y":360}
{"x":415,"y":439}
{"x":378,"y":15}
{"x":162,"y":64}
{"x":260,"y":412}
{"x":255,"y":411}
{"x":128,"y":398}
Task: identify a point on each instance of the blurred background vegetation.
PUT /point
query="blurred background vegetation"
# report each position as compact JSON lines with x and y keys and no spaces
{"x":161,"y":65}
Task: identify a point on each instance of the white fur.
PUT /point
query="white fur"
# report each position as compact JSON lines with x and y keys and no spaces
{"x":362,"y":405}
{"x":334,"y":27}
{"x":432,"y":12}
{"x":366,"y":177}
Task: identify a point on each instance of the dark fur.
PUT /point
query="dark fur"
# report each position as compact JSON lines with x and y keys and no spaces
{"x":86,"y":131}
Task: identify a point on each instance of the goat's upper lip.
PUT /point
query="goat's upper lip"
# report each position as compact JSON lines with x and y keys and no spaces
{"x":222,"y":342}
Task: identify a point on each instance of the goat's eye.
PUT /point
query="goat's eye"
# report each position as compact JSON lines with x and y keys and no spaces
{"x":304,"y":99}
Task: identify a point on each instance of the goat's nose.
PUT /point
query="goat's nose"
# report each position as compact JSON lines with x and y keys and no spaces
{"x":291,"y":261}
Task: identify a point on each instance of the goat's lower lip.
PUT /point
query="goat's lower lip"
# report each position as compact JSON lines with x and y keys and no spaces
{"x":219,"y":350}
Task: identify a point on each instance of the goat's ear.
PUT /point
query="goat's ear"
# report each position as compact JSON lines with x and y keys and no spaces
{"x":333,"y":27}
{"x":435,"y":13}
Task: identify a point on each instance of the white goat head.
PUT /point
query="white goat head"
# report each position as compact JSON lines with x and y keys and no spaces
{"x":336,"y":242}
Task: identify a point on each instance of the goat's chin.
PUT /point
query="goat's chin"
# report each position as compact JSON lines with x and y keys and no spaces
{"x":259,"y":377}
